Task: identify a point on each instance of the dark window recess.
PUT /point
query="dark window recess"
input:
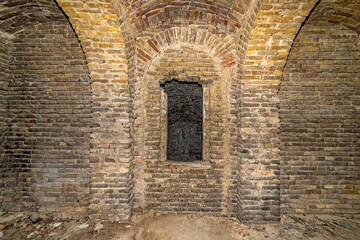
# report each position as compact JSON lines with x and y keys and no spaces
{"x":185,"y":120}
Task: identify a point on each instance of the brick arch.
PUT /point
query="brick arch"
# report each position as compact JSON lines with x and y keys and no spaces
{"x":186,"y":72}
{"x":347,"y":20}
{"x":221,"y":48}
{"x":270,"y":41}
{"x":109,"y":49}
{"x":15,"y":16}
{"x":343,"y":13}
{"x":222,"y":16}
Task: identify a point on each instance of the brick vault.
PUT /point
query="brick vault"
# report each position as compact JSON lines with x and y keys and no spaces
{"x":84,"y":116}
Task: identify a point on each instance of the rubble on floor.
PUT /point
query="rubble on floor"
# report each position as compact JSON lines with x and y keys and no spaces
{"x":161,"y":227}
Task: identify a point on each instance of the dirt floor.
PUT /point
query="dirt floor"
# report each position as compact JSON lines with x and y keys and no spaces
{"x":176,"y":227}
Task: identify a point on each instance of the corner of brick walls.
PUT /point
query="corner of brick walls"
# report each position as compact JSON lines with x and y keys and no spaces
{"x":257,"y":176}
{"x":46,"y":164}
{"x":111,"y":158}
{"x":5,"y":45}
{"x":319,"y":117}
{"x":109,"y":49}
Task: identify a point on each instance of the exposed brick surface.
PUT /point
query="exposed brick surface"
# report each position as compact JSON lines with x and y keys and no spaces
{"x":17,"y":15}
{"x":46,"y":164}
{"x":191,"y":190}
{"x":319,"y":112}
{"x":5,"y":45}
{"x":269,"y":42}
{"x":220,"y":47}
{"x":237,"y":151}
{"x":343,"y":12}
{"x":83,"y":118}
{"x":221,"y":16}
{"x":109,"y":52}
{"x":213,"y":58}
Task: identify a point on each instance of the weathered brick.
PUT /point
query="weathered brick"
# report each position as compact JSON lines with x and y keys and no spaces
{"x":82,"y":115}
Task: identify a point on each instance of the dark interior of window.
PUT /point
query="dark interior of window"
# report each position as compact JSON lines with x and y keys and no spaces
{"x":185,"y":120}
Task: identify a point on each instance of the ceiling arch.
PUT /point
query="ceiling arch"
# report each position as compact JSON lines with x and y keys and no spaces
{"x":221,"y":49}
{"x":15,"y":16}
{"x":344,"y":12}
{"x":219,"y":16}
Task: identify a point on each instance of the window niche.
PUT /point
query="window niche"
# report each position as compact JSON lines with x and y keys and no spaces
{"x":184,"y":120}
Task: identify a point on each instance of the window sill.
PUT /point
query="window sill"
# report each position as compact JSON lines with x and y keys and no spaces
{"x":185,"y":165}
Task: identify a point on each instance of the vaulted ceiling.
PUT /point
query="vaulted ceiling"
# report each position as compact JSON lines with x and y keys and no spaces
{"x":345,"y":12}
{"x":219,"y":16}
{"x":16,"y":15}
{"x":216,"y":15}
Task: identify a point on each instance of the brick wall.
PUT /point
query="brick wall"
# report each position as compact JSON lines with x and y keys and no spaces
{"x":109,"y":49}
{"x":5,"y":45}
{"x":48,"y":141}
{"x":319,"y":114}
{"x":267,"y":46}
{"x":90,"y":134}
{"x":244,"y":196}
{"x":189,"y":190}
{"x":163,"y":56}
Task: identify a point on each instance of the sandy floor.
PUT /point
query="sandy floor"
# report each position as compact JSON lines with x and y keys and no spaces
{"x":177,"y":227}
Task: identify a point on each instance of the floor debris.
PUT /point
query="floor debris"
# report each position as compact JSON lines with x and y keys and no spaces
{"x":176,"y":227}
